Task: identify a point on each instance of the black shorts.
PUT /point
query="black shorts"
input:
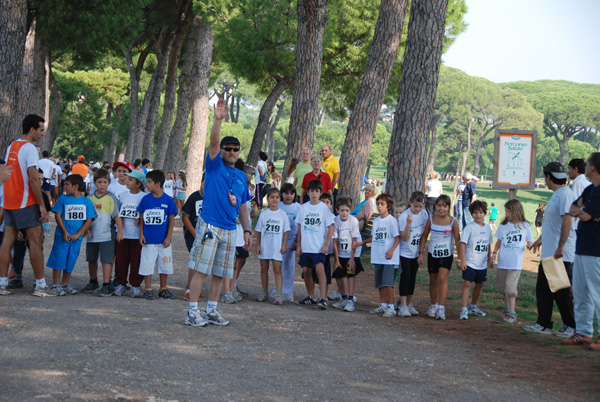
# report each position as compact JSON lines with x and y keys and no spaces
{"x":342,"y":271}
{"x":434,"y":264}
{"x":46,"y":186}
{"x":324,"y":259}
{"x":475,"y":275}
{"x":241,"y":252}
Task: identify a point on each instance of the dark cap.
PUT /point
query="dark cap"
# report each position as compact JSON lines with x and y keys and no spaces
{"x":556,"y":169}
{"x":229,"y":140}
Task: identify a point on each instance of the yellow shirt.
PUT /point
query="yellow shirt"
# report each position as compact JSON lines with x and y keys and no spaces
{"x":331,"y":166}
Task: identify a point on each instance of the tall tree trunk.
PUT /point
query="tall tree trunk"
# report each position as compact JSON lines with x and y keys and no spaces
{"x":134,"y":90}
{"x":200,"y":108}
{"x":418,"y":87}
{"x":122,"y":152}
{"x":312,"y":19}
{"x":370,"y":95}
{"x":562,"y":146}
{"x":109,"y":153}
{"x":270,"y":141}
{"x":55,"y":109}
{"x":321,"y":116}
{"x":465,"y":154}
{"x":432,"y":144}
{"x":482,"y":138}
{"x":183,"y":25}
{"x":32,"y":88}
{"x":457,"y":178}
{"x":13,"y":31}
{"x":263,"y":118}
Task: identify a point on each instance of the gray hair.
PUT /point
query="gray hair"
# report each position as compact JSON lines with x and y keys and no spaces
{"x":315,"y":156}
{"x":467,"y":176}
{"x":369,"y":187}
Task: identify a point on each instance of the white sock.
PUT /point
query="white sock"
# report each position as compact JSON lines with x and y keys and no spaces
{"x":211,"y":305}
{"x":384,"y":305}
{"x":41,"y":283}
{"x":443,"y":308}
{"x":4,"y":281}
{"x":193,"y":306}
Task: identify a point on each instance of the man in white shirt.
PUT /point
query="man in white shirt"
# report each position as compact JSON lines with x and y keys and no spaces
{"x":48,"y":167}
{"x":577,"y":176}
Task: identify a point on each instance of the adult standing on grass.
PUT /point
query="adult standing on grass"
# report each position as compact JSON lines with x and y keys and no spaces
{"x":316,"y":174}
{"x":332,"y":167}
{"x":302,"y":168}
{"x":23,"y":204}
{"x":213,"y":252}
{"x":433,"y":189}
{"x":586,"y":267}
{"x":259,"y":177}
{"x":469,"y":194}
{"x":558,"y":240}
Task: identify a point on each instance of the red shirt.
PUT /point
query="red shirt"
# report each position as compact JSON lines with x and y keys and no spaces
{"x":323,"y":177}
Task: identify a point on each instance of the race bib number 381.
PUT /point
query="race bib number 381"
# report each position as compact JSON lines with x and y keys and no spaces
{"x":74,"y":212}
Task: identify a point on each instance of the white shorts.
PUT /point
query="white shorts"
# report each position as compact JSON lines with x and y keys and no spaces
{"x":156,"y":254}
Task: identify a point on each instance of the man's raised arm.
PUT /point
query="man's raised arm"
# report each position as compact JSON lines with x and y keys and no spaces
{"x":220,"y":112}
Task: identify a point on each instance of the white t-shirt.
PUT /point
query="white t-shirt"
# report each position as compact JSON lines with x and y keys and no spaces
{"x":410,"y":248}
{"x":116,"y":188}
{"x":263,"y":168}
{"x":272,"y":225}
{"x":292,"y":210}
{"x":478,"y":240}
{"x":57,"y":173}
{"x":558,"y":205}
{"x":168,"y":188}
{"x":384,"y":233}
{"x":239,"y":229}
{"x":434,"y":188}
{"x":128,"y":212}
{"x":579,"y":184}
{"x":345,"y":231}
{"x":513,"y":244}
{"x":314,"y":221}
{"x":441,"y":240}
{"x":46,"y":165}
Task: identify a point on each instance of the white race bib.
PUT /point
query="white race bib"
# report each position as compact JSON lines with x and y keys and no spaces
{"x":129,"y":211}
{"x":74,"y":212}
{"x":273,"y":227}
{"x":198,"y":207}
{"x":154,"y":216}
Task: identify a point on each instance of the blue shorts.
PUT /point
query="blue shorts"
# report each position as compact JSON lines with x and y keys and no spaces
{"x":181,"y":196}
{"x":23,"y":218}
{"x":311,"y":260}
{"x":475,"y":275}
{"x":384,"y":276}
{"x":326,"y":266}
{"x":64,"y":254}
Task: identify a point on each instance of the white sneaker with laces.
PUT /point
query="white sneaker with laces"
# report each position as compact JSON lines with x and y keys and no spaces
{"x":565,"y":332}
{"x":340,"y":304}
{"x":349,"y":306}
{"x":464,"y":313}
{"x":403,"y":311}
{"x":335,"y":296}
{"x":412,"y":309}
{"x":537,"y":328}
{"x":431,"y":311}
{"x":440,"y":314}
{"x":389,"y":312}
{"x":196,"y":319}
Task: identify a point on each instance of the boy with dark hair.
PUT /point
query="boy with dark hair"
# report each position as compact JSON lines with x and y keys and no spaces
{"x":101,"y":235}
{"x":577,"y":175}
{"x":158,"y":212}
{"x":315,"y":230}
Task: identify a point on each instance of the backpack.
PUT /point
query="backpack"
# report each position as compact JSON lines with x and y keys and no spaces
{"x":268,"y":178}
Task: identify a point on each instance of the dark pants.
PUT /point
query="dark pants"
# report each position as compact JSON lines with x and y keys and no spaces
{"x":19,"y":249}
{"x":546,"y":299}
{"x":430,"y":205}
{"x":259,"y":195}
{"x":128,"y":254}
{"x":408,"y":276}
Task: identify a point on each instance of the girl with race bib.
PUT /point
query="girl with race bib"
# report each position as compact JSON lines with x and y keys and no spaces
{"x":444,"y":236}
{"x":513,"y":234}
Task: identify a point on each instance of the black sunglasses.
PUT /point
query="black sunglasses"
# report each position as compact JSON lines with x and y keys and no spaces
{"x":229,"y":149}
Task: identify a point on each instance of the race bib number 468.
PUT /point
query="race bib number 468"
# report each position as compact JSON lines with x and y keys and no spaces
{"x":74,"y":212}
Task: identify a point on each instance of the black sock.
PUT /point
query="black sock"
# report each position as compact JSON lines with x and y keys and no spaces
{"x":106,"y":284}
{"x":94,"y":281}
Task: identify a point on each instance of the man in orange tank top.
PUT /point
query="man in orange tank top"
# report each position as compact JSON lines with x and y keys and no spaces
{"x":23,"y":204}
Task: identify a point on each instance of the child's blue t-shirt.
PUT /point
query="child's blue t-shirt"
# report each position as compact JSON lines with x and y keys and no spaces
{"x":156,"y":212}
{"x":74,"y":212}
{"x":221,"y":182}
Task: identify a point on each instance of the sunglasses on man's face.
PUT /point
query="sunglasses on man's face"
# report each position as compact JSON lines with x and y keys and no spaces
{"x":230,"y":149}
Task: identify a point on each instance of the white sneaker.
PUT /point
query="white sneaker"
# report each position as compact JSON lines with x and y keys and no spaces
{"x":412,"y":309}
{"x":464,"y":313}
{"x":339,"y":304}
{"x":196,"y":319}
{"x":431,"y":311}
{"x":349,"y":306}
{"x":403,"y":311}
{"x":335,"y":296}
{"x":378,"y":310}
{"x":236,"y":295}
{"x":537,"y":328}
{"x":389,"y":312}
{"x":288,"y":298}
{"x":565,"y":332}
{"x":440,"y":314}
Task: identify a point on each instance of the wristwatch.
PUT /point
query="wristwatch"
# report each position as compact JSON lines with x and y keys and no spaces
{"x":248,"y":231}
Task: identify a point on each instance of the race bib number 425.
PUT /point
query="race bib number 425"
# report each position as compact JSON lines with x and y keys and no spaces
{"x":129,"y":211}
{"x":154,"y":217}
{"x":74,"y":212}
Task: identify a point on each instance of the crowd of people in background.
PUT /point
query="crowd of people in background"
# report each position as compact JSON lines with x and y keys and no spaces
{"x":127,"y":214}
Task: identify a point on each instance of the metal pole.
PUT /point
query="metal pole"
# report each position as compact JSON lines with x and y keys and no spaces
{"x":512,"y":193}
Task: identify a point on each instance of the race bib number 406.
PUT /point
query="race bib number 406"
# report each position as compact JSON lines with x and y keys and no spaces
{"x":74,"y":212}
{"x":154,"y":217}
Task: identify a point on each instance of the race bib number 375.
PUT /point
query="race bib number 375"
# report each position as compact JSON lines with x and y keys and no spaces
{"x":154,"y":217}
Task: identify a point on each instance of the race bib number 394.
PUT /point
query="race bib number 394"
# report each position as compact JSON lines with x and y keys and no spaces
{"x":74,"y":212}
{"x":154,"y":217}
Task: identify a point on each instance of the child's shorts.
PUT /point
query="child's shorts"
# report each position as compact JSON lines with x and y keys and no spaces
{"x":314,"y":259}
{"x":434,"y":264}
{"x":492,"y":221}
{"x":343,"y":271}
{"x":475,"y":275}
{"x":384,"y":276}
{"x":507,"y":281}
{"x":156,"y":254}
{"x":181,"y":196}
{"x":64,"y":253}
{"x":105,"y":249}
{"x":241,"y":252}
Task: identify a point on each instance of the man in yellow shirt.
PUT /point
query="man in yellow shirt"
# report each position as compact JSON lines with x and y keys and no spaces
{"x":332,"y":167}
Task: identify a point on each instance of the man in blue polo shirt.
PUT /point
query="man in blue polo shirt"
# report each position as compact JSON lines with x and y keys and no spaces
{"x":213,"y":252}
{"x":586,"y":267}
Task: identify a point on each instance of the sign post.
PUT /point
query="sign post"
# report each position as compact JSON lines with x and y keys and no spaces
{"x":514,"y":160}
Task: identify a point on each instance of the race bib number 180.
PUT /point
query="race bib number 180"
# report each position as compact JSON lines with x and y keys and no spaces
{"x":74,"y":212}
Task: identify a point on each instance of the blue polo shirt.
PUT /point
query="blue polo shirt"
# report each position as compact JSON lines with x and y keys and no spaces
{"x":221,"y":180}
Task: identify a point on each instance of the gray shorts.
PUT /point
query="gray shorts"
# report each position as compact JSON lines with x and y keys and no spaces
{"x":507,"y":281}
{"x":384,"y":276}
{"x":105,"y":249}
{"x":213,"y":252}
{"x":23,"y":218}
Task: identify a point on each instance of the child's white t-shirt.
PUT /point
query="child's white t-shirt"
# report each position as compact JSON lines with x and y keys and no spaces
{"x":239,"y":230}
{"x":168,"y":188}
{"x":513,"y":244}
{"x":272,"y":225}
{"x":410,"y":248}
{"x":314,"y":221}
{"x":117,"y":188}
{"x":128,"y":212}
{"x":345,"y":231}
{"x":384,"y":233}
{"x":292,"y":210}
{"x":478,"y":239}
{"x":178,"y":183}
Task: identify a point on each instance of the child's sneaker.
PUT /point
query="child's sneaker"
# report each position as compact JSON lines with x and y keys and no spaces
{"x":43,"y":292}
{"x":165,"y":294}
{"x":241,"y":292}
{"x":69,"y":290}
{"x":412,"y":309}
{"x":335,"y":296}
{"x":476,"y":311}
{"x":322,"y":304}
{"x":238,"y":297}
{"x":16,"y":283}
{"x":228,"y":298}
{"x":288,"y":298}
{"x":136,"y":292}
{"x":565,"y":332}
{"x":440,"y":314}
{"x":537,"y":328}
{"x":104,"y":291}
{"x":339,"y":304}
{"x":464,"y":313}
{"x":278,"y":300}
{"x":509,"y":318}
{"x":308,"y":301}
{"x":403,"y":311}
{"x":4,"y":290}
{"x":377,"y":310}
{"x":349,"y":306}
{"x":120,"y":290}
{"x":215,"y":318}
{"x":90,"y":287}
{"x":262,"y":296}
{"x":149,"y":294}
{"x":432,"y":311}
{"x":196,"y":319}
{"x":57,"y":290}
{"x":389,"y":312}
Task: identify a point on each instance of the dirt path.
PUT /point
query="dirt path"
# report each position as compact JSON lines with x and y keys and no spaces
{"x":85,"y":347}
